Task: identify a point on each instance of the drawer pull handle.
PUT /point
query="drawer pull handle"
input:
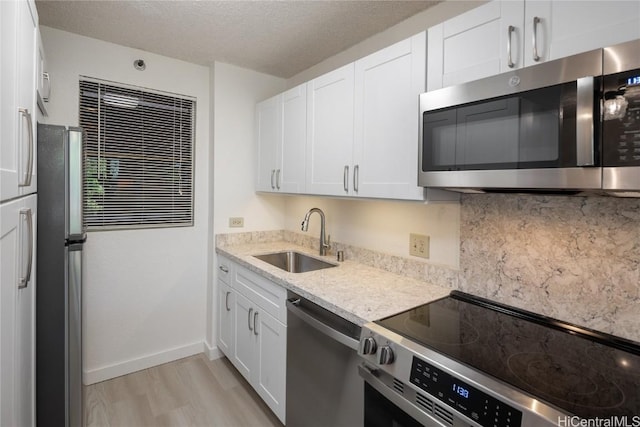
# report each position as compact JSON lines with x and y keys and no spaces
{"x":255,"y":329}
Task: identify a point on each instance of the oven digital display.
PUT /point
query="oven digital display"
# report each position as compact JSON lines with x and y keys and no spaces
{"x":464,"y":398}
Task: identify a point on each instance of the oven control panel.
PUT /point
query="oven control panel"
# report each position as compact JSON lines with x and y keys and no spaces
{"x":484,"y":409}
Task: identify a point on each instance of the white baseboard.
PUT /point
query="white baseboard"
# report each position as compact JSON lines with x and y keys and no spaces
{"x":212,"y":352}
{"x":126,"y":367}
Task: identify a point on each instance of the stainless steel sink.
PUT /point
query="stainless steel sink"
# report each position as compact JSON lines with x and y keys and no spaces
{"x":294,"y":262}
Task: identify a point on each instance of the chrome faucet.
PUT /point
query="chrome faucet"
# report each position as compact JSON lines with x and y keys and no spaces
{"x":324,"y":242}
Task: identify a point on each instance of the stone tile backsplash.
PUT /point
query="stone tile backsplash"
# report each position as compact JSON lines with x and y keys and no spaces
{"x":573,"y":258}
{"x":576,"y":259}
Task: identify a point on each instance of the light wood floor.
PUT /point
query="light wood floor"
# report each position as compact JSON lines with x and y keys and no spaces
{"x":189,"y":392}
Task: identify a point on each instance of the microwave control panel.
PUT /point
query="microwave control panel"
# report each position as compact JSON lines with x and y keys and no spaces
{"x":621,"y":119}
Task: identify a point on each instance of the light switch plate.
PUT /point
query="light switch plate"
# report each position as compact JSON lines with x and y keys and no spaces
{"x":419,"y":245}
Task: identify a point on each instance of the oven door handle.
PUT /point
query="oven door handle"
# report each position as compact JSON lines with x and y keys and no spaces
{"x":293,"y":305}
{"x":423,"y":418}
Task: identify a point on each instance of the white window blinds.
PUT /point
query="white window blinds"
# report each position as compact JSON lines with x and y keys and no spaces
{"x":138,"y":157}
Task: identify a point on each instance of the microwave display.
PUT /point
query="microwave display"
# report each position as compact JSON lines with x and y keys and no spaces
{"x":621,"y":119}
{"x":531,"y":129}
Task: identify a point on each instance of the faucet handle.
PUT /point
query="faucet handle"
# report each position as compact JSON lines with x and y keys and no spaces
{"x":328,"y":242}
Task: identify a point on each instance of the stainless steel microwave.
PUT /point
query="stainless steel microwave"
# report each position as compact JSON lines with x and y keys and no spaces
{"x":535,"y":128}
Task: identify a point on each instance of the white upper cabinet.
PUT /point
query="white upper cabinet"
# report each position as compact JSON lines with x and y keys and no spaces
{"x":281,"y":139}
{"x":387,"y":86}
{"x":509,"y":34}
{"x":290,"y":177}
{"x":43,"y":83}
{"x":564,"y":28}
{"x":268,"y":136}
{"x":330,"y":132}
{"x":475,"y":44}
{"x":18,"y":99}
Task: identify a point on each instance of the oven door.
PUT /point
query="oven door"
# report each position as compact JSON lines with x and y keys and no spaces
{"x":384,"y":407}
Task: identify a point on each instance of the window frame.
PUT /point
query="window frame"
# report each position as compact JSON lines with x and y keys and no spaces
{"x":143,"y":223}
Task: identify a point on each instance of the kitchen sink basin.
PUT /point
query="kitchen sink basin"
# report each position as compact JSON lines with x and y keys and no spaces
{"x":294,"y":262}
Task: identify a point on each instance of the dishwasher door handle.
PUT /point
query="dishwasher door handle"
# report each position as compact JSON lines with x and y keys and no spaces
{"x":294,"y":308}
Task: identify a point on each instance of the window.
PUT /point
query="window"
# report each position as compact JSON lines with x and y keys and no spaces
{"x":138,"y":157}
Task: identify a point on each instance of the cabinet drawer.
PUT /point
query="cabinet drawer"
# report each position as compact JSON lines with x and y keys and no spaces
{"x":266,"y":294}
{"x":225,"y":268}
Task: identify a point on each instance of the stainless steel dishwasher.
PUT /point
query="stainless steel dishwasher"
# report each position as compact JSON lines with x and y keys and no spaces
{"x":323,"y":385}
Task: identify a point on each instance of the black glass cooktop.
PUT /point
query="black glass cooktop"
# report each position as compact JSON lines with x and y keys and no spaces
{"x":582,"y":372}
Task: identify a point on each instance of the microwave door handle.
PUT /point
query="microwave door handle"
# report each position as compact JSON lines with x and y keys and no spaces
{"x":585,"y":153}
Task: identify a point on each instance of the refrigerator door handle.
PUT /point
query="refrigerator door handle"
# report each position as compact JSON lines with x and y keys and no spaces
{"x":26,"y":278}
{"x":74,"y":190}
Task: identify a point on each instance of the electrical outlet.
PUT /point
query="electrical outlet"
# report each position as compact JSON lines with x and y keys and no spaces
{"x":236,"y":221}
{"x":419,"y":245}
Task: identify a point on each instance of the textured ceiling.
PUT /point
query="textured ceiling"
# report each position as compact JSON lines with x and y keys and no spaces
{"x":281,"y":38}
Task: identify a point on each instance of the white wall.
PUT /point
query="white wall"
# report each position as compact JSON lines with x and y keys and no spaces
{"x":383,"y":226}
{"x":235,"y":92}
{"x":144,"y":290}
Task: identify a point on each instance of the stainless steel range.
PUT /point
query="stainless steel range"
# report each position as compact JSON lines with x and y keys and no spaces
{"x":467,"y":361}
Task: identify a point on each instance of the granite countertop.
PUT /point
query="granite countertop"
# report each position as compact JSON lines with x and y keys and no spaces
{"x":354,"y":291}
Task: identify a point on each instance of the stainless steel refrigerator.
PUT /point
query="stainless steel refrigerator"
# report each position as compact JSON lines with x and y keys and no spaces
{"x":61,"y":235}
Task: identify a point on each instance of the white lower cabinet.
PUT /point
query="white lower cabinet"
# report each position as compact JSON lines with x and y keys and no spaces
{"x":252,"y":331}
{"x":17,"y":312}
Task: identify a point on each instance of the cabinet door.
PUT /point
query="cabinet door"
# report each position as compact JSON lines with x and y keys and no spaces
{"x":43,"y":84}
{"x":17,"y":305}
{"x":25,"y":316}
{"x":330,"y":132}
{"x":226,"y":302}
{"x":290,"y":176}
{"x":25,"y":113}
{"x":272,"y":362}
{"x":9,"y":162}
{"x":268,"y":137}
{"x":387,"y":86}
{"x":244,"y":354}
{"x":475,"y":44}
{"x":9,"y":279}
{"x":569,"y":27}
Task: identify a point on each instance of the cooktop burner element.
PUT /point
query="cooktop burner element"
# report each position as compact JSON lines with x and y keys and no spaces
{"x":578,"y":372}
{"x":559,"y":378}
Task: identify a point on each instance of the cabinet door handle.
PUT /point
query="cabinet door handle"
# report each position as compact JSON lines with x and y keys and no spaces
{"x":226,"y":301}
{"x":249,"y":319}
{"x":46,"y":78}
{"x":356,"y":177}
{"x":345,"y":178}
{"x":255,"y":330}
{"x":536,"y":21}
{"x":510,"y":30}
{"x":27,"y":115}
{"x":224,"y":268}
{"x":26,"y":278}
{"x":273,"y":172}
{"x":278,"y":179}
